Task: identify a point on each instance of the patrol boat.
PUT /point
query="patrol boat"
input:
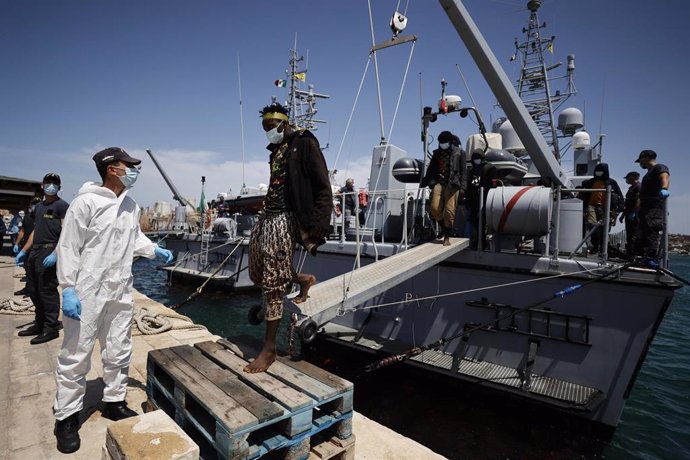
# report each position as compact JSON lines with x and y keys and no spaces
{"x":529,"y":313}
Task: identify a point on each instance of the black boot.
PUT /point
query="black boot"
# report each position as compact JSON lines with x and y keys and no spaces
{"x":67,"y":434}
{"x":23,"y":291}
{"x":34,"y":329}
{"x":117,"y":411}
{"x":47,"y":336}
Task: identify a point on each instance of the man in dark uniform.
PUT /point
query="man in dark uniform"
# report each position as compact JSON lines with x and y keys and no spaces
{"x":297,"y":209}
{"x":41,"y":276}
{"x":481,"y":176}
{"x":653,"y":192}
{"x":630,"y":211}
{"x":446,"y":177}
{"x":23,"y":235}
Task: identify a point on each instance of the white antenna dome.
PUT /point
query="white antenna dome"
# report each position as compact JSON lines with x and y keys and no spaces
{"x":581,"y":140}
{"x":570,"y":120}
{"x":511,"y":141}
{"x":453,"y":103}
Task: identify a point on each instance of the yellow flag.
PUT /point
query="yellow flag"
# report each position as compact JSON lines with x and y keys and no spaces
{"x":550,"y":47}
{"x":301,"y":76}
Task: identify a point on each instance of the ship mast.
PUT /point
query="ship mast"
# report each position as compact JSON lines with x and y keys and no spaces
{"x":534,"y":83}
{"x":301,"y":103}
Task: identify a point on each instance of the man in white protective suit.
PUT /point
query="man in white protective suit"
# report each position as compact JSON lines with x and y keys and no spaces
{"x":99,"y":240}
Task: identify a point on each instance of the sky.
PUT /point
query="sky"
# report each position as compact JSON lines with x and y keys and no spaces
{"x":81,"y":75}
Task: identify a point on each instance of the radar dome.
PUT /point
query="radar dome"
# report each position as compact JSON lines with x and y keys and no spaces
{"x":581,"y":140}
{"x":570,"y":120}
{"x":511,"y":141}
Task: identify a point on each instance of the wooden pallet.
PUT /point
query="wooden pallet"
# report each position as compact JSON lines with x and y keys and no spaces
{"x":232,"y":414}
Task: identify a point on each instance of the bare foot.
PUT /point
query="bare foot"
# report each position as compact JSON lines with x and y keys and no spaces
{"x":305,"y":282}
{"x":261,"y":362}
{"x":446,"y":241}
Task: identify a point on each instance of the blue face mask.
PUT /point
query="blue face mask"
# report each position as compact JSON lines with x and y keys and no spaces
{"x":130,"y":177}
{"x":51,"y":189}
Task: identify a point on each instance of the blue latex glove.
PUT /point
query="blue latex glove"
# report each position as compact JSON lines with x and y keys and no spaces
{"x":19,"y":260}
{"x":632,"y":216}
{"x":71,"y":305}
{"x":16,"y":249}
{"x":161,"y":252}
{"x":50,"y":260}
{"x":663,"y":193}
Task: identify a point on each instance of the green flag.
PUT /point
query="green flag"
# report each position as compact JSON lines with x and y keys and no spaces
{"x":202,"y":202}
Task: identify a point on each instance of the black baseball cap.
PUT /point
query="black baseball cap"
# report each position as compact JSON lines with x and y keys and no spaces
{"x":113,"y":154}
{"x":52,"y":178}
{"x":632,"y":174}
{"x":651,"y":154}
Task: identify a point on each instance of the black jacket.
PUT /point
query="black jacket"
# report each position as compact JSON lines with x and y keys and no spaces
{"x":308,"y":187}
{"x":457,"y":176}
{"x":617,"y":200}
{"x":481,"y":175}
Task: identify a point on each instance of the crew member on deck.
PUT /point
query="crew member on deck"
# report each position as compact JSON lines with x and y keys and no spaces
{"x":653,"y":193}
{"x":630,"y":212}
{"x":594,"y":204}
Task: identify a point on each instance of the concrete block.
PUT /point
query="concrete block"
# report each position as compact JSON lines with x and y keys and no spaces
{"x":149,"y":436}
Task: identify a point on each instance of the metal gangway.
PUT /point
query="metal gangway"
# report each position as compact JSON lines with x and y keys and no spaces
{"x":341,"y":293}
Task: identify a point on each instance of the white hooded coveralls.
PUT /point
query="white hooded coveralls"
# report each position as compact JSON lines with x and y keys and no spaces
{"x":99,"y":240}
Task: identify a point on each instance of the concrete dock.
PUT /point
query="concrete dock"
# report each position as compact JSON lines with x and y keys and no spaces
{"x":27,"y":389}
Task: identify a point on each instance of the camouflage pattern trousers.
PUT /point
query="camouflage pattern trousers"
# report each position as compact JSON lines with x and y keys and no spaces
{"x":271,"y":246}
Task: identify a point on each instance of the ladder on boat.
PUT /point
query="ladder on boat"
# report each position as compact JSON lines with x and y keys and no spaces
{"x":206,"y":236}
{"x":346,"y":291}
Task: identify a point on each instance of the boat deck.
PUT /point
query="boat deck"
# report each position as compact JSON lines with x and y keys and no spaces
{"x":548,"y":390}
{"x":328,"y":298}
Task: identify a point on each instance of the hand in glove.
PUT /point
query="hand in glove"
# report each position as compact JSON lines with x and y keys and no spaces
{"x":71,"y":305}
{"x":19,"y":260}
{"x":663,"y":193}
{"x":16,"y":249}
{"x":50,"y":260}
{"x":620,"y":219}
{"x":632,"y":216}
{"x":161,"y":252}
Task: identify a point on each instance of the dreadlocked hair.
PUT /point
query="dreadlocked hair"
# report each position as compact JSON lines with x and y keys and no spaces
{"x":274,"y":107}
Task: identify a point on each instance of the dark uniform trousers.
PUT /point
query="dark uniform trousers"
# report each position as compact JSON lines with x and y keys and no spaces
{"x":651,"y":223}
{"x":43,"y":283}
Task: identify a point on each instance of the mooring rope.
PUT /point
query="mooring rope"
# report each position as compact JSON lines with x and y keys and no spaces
{"x":14,"y":306}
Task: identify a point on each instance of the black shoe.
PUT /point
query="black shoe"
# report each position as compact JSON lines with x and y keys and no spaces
{"x":67,"y":434}
{"x":47,"y":336}
{"x":117,"y":411}
{"x":34,"y":329}
{"x":22,"y":291}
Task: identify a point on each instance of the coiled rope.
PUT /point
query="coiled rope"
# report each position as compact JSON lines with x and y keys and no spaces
{"x":14,"y":306}
{"x":152,"y":320}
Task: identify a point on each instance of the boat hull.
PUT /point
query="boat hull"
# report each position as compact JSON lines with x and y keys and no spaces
{"x":580,"y":353}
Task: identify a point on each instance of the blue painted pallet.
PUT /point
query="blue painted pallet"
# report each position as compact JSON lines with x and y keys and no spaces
{"x":240,"y":415}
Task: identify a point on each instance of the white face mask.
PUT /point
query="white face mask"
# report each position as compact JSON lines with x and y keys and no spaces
{"x":598,"y":173}
{"x":130,"y":177}
{"x":444,"y":146}
{"x":273,"y":136}
{"x":51,"y":189}
{"x":476,"y":161}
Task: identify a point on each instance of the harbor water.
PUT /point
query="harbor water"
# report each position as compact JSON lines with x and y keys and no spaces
{"x":457,"y":421}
